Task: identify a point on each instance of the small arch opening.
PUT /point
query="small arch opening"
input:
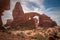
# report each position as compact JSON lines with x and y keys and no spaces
{"x":36,"y":17}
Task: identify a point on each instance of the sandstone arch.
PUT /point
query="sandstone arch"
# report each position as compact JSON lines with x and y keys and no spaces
{"x":46,"y":21}
{"x":26,"y":19}
{"x":23,"y":19}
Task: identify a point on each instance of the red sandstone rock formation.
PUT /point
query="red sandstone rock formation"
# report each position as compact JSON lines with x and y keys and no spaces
{"x":44,"y":20}
{"x":17,"y":11}
{"x":19,"y":17}
{"x":26,"y":20}
{"x":4,"y":5}
{"x":30,"y":24}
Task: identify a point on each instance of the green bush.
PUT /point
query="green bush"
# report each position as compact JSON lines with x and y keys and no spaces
{"x":22,"y":35}
{"x":38,"y":37}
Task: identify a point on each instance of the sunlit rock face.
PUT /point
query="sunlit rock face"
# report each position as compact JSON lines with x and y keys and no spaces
{"x":18,"y":11}
{"x":4,"y":5}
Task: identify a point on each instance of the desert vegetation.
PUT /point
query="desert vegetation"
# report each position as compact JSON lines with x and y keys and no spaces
{"x":34,"y":34}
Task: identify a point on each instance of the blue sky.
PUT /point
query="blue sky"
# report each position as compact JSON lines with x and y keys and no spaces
{"x":55,"y":11}
{"x":48,"y":7}
{"x":52,"y":3}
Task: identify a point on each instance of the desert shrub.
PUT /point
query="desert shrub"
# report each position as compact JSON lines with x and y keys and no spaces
{"x":29,"y":33}
{"x":38,"y":37}
{"x":22,"y":35}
